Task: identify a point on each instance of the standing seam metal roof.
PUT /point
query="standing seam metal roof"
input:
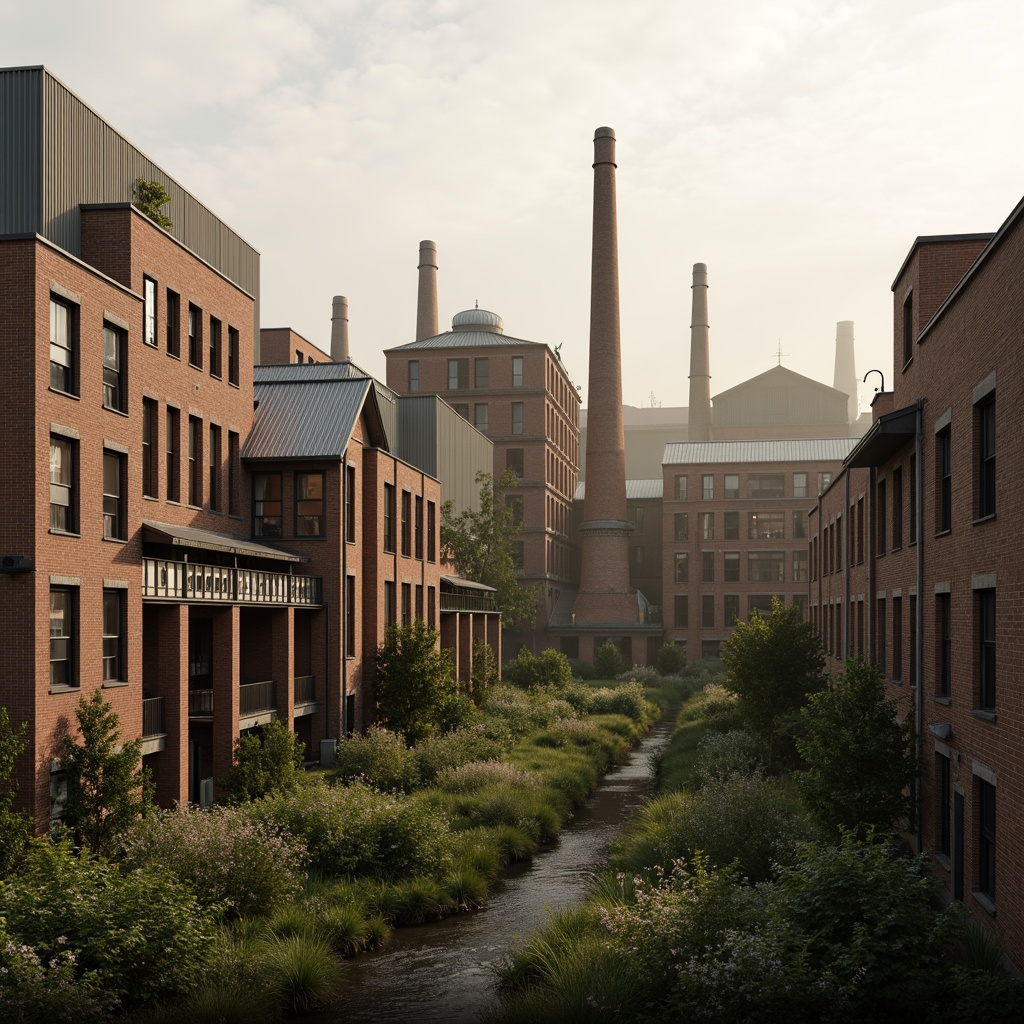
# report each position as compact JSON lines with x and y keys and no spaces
{"x":465,"y":339}
{"x":636,"y":490}
{"x":813,"y":449}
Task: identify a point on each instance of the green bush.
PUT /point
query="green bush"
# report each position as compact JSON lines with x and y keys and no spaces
{"x":380,"y":758}
{"x":15,"y":827}
{"x":303,"y":973}
{"x":528,"y":671}
{"x":608,"y":662}
{"x":670,"y":660}
{"x":717,"y":706}
{"x":581,"y":669}
{"x":268,"y":760}
{"x":442,"y":751}
{"x":485,"y":666}
{"x":627,"y":699}
{"x":457,"y":711}
{"x":721,"y":755}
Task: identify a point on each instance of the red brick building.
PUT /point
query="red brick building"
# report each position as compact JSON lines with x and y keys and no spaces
{"x":917,"y":560}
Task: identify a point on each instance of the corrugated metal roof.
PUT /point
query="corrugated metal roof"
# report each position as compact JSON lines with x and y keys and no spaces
{"x":636,"y":490}
{"x":458,"y":581}
{"x":307,"y":371}
{"x":305,"y":419}
{"x":212,"y":540}
{"x":810,"y":449}
{"x":465,"y":339}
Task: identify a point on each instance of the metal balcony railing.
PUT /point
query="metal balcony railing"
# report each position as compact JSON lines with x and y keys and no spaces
{"x":153,"y":717}
{"x":305,"y":689}
{"x":256,"y":697}
{"x":200,"y":703}
{"x":467,"y":603}
{"x":166,"y":580}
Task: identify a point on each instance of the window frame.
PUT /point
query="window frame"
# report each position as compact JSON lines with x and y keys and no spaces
{"x":413,"y":376}
{"x":681,"y":526}
{"x":707,"y":566}
{"x":115,"y":368}
{"x":114,"y":643}
{"x":233,"y":355}
{"x":69,"y":649}
{"x":150,"y":442}
{"x":65,"y":367}
{"x":195,"y":462}
{"x":388,"y":530}
{"x":64,"y":488}
{"x":115,"y":526}
{"x":172,"y":311}
{"x":985,"y":412}
{"x":194,"y":330}
{"x":216,"y":349}
{"x":986,"y":793}
{"x":518,"y":418}
{"x":985,"y":632}
{"x":172,"y":450}
{"x":263,"y":514}
{"x":481,"y":380}
{"x":681,"y":567}
{"x":944,"y":635}
{"x":215,"y":467}
{"x":731,"y":567}
{"x":309,"y":509}
{"x":350,"y":504}
{"x":944,"y":475}
{"x":458,"y":374}
{"x":517,"y":371}
{"x":149,"y":311}
{"x":233,"y":472}
{"x":406,"y":524}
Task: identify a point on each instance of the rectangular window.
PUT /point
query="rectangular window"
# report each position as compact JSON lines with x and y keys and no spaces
{"x":987,"y":839}
{"x":233,"y":356}
{"x":707,"y":611}
{"x":233,"y":467}
{"x":414,"y":376}
{"x":389,"y":517}
{"x":681,"y":611}
{"x":418,"y":607}
{"x":897,"y":638}
{"x":766,"y":526}
{"x":266,"y":505}
{"x":458,"y":374}
{"x":986,"y":632}
{"x":799,"y":566}
{"x":115,"y":389}
{"x":481,"y":417}
{"x":149,"y":428}
{"x":707,"y":483}
{"x":680,"y":489}
{"x":195,"y":460}
{"x":195,"y":335}
{"x":149,"y":311}
{"x":63,"y":346}
{"x":824,"y":480}
{"x":944,"y":629}
{"x":800,"y":485}
{"x":114,"y":526}
{"x":731,"y":573}
{"x":766,"y":485}
{"x":390,"y":609}
{"x":113,"y":636}
{"x":945,"y":799}
{"x":406,"y":604}
{"x":682,"y":567}
{"x":514,"y":504}
{"x":517,"y":417}
{"x":912,"y":633}
{"x":880,"y":510}
{"x":350,"y":616}
{"x":518,"y":554}
{"x":517,"y":371}
{"x":418,"y":530}
{"x":173,"y":460}
{"x":880,"y":624}
{"x":215,"y":466}
{"x":350,"y":504}
{"x":800,"y":602}
{"x":707,"y":566}
{"x":514,"y":462}
{"x":732,"y":526}
{"x":173,"y":311}
{"x":63,"y":635}
{"x":945,"y":480}
{"x":908,"y":328}
{"x":732,"y":485}
{"x":681,"y":523}
{"x":638,"y":521}
{"x":731,"y":609}
{"x":897,"y":508}
{"x":481,"y":372}
{"x":639,"y":559}
{"x":860,"y":531}
{"x":766,"y":566}
{"x":406,"y":524}
{"x":912,"y":490}
{"x":215,"y":347}
{"x":431,"y":533}
{"x":986,"y":413}
{"x":707,"y":525}
{"x":799,"y":525}
{"x":309,"y":505}
{"x":431,"y":607}
{"x":759,"y":604}
{"x":63,"y":518}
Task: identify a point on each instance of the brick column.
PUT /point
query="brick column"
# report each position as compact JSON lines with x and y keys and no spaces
{"x":170,"y":766}
{"x":282,"y":663}
{"x":227,"y":678}
{"x":465,"y":648}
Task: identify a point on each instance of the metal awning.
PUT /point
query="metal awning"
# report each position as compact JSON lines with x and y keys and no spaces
{"x":211,"y":540}
{"x":458,"y":581}
{"x":885,"y":438}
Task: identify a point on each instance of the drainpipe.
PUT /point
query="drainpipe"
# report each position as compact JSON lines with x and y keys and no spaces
{"x":919,"y":616}
{"x":848,"y":548}
{"x":344,"y":595}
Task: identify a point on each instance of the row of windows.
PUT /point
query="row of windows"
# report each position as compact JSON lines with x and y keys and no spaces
{"x":759,"y":485}
{"x":758,"y":525}
{"x":409,"y":610}
{"x":268,"y":505}
{"x":482,"y":416}
{"x":410,"y":525}
{"x":458,"y":373}
{"x":762,"y":566}
{"x":950,"y":840}
{"x":65,"y":514}
{"x":64,"y":634}
{"x":757,"y":604}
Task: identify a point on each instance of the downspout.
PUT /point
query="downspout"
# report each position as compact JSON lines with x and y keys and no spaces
{"x":848,"y":545}
{"x":919,"y":617}
{"x":344,"y":593}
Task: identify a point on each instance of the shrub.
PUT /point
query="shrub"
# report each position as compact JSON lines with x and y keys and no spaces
{"x":670,"y":660}
{"x":379,"y":758}
{"x":15,"y":827}
{"x":266,"y":761}
{"x":717,"y":706}
{"x":303,"y":972}
{"x":475,"y":775}
{"x":549,"y":668}
{"x":485,"y":666}
{"x":140,"y":933}
{"x":627,"y":699}
{"x":581,"y":669}
{"x":437,"y":753}
{"x":457,"y":711}
{"x":721,"y":755}
{"x":246,"y":867}
{"x":608,"y":662}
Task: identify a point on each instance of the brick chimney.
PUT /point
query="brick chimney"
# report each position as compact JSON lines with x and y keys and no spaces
{"x":605,"y":596}
{"x":426,"y":302}
{"x":339,"y":330}
{"x":699,"y":428}
{"x":845,"y":377}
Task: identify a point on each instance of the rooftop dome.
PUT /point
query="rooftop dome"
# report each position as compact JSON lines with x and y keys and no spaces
{"x":477,"y":320}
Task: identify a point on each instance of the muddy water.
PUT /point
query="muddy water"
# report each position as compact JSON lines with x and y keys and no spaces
{"x":442,"y":971}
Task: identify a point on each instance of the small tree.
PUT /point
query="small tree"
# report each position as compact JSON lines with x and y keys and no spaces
{"x":669,"y":660}
{"x":15,"y":827}
{"x":413,"y":679}
{"x":608,"y":663}
{"x":481,"y":547}
{"x":860,"y":758}
{"x":265,"y":762}
{"x":774,"y":664}
{"x":485,"y":666}
{"x":107,"y":788}
{"x":148,"y":197}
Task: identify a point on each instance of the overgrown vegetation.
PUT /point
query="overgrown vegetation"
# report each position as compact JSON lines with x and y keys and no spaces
{"x":268,"y":760}
{"x":14,"y":826}
{"x":150,"y":197}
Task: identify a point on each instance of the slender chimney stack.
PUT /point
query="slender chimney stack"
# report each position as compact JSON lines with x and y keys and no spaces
{"x":339,"y":330}
{"x":605,"y":596}
{"x":845,"y":377}
{"x":699,"y":428}
{"x":426,"y":302}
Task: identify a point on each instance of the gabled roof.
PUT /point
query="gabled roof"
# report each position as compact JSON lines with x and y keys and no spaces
{"x":776,"y":377}
{"x":811,"y":449}
{"x":310,"y":414}
{"x":290,"y":372}
{"x":636,"y":490}
{"x":466,"y":339}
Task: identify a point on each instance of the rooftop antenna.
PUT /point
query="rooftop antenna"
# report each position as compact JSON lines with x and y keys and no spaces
{"x":779,"y":353}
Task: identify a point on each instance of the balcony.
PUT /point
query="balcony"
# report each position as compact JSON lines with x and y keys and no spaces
{"x":165,"y":580}
{"x":154,"y":737}
{"x":257,"y":703}
{"x":483,"y":602}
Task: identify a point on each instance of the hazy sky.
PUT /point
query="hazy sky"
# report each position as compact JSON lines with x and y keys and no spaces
{"x":795,"y":146}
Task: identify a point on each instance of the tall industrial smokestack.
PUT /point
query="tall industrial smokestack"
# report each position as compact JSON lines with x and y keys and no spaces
{"x":339,"y":329}
{"x":426,"y":301}
{"x":845,"y":377}
{"x":699,"y":428}
{"x":605,"y":596}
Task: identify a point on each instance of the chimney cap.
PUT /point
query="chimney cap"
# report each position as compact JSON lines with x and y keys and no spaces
{"x":428,"y":244}
{"x":604,"y":133}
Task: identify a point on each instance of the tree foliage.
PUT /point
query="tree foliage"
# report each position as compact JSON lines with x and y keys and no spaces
{"x":607,"y":661}
{"x":774,"y":664}
{"x":148,"y":198}
{"x":860,"y":757}
{"x":529,"y":670}
{"x":481,"y":546}
{"x":267,"y":761}
{"x":414,"y":678}
{"x":670,"y":660}
{"x":14,"y":826}
{"x":107,"y":787}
